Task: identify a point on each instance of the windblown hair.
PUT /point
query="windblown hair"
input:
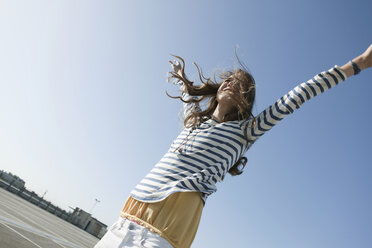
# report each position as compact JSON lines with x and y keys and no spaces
{"x":208,"y":90}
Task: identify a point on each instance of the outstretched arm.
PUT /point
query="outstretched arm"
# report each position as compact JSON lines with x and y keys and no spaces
{"x":302,"y":93}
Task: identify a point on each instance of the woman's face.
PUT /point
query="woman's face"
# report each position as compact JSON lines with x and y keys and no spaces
{"x":229,"y":92}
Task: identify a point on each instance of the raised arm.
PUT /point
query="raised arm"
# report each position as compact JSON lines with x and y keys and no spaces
{"x":304,"y":92}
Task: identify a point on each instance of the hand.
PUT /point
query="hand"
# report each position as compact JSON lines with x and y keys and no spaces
{"x":176,"y":67}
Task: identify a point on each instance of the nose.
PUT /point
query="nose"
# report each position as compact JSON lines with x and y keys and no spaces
{"x":228,"y":83}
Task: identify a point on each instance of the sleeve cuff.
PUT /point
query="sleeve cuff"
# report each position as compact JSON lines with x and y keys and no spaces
{"x":341,"y":71}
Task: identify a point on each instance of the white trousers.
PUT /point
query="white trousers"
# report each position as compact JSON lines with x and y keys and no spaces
{"x":128,"y":234}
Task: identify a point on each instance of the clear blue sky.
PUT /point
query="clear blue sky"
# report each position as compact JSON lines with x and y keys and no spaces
{"x":84,"y":113}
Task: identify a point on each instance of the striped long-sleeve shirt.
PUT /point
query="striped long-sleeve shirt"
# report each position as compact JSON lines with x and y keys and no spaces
{"x":200,"y":156}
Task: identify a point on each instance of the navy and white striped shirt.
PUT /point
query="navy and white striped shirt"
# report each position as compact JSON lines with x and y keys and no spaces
{"x":200,"y":157}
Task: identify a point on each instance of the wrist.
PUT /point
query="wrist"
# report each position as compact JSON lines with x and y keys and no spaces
{"x":361,"y":62}
{"x":356,"y":69}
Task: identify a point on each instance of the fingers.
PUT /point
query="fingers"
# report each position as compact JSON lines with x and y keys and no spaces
{"x":176,"y":63}
{"x":176,"y":66}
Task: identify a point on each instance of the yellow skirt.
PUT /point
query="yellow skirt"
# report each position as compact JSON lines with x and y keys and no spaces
{"x":175,"y":218}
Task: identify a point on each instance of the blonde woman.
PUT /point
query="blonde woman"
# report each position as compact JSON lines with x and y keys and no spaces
{"x":164,"y":209}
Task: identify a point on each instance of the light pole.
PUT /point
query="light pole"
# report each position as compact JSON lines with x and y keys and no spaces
{"x":44,"y":194}
{"x":94,"y":204}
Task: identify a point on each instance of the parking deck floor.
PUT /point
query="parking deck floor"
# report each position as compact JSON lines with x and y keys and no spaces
{"x":24,"y":225}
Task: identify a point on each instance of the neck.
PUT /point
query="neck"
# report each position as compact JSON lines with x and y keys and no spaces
{"x":220,"y":112}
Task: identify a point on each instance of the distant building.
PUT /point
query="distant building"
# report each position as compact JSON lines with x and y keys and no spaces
{"x":86,"y":222}
{"x":12,"y":180}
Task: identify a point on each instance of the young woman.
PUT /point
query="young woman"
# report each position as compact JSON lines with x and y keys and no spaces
{"x":164,"y":209}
